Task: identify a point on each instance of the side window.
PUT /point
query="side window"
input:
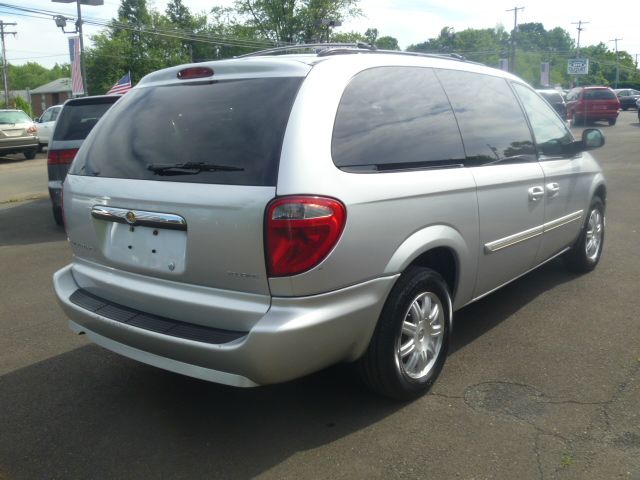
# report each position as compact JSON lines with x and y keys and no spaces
{"x":392,"y":118}
{"x":549,"y":131}
{"x":46,"y":116}
{"x":493,"y":126}
{"x":54,"y":114}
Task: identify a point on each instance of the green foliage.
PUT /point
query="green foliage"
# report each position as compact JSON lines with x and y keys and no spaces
{"x":32,"y":75}
{"x":387,"y":43}
{"x":294,"y":21}
{"x":21,"y":104}
{"x":534,"y":46}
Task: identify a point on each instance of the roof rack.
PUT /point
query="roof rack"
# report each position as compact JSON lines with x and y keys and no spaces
{"x":328,"y":49}
{"x":316,"y":47}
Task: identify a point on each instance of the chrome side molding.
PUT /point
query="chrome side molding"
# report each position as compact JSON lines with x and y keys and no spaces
{"x":519,"y":237}
{"x":141,"y":218}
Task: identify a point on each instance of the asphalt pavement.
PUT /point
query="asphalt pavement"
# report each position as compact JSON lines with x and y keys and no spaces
{"x":543,"y":380}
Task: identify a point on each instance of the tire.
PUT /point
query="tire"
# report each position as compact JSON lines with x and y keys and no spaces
{"x":30,"y":154}
{"x":612,"y":122}
{"x":585,"y":254}
{"x":624,"y":109}
{"x":40,"y":147}
{"x":403,"y":324}
{"x":57,"y":216}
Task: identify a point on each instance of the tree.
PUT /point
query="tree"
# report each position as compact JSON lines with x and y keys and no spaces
{"x":294,"y":21}
{"x":387,"y":43}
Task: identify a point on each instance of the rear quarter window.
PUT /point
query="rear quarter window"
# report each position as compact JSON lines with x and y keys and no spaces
{"x":394,"y":118}
{"x":238,"y":124}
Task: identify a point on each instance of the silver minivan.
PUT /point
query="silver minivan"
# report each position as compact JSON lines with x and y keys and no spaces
{"x":253,"y":220}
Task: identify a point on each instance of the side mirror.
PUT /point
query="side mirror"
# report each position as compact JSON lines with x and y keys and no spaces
{"x":592,"y":138}
{"x":36,"y":119}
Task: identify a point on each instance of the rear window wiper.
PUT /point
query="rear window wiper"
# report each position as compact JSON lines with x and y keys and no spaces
{"x":190,"y":168}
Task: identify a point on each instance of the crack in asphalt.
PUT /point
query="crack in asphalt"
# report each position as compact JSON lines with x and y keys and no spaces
{"x":524,"y":404}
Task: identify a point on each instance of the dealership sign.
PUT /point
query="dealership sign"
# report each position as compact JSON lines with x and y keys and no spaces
{"x":578,"y":66}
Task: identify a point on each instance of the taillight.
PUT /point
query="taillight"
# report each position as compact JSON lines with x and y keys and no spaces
{"x":300,"y":232}
{"x":61,"y":157}
{"x":194,"y":72}
{"x":32,"y":130}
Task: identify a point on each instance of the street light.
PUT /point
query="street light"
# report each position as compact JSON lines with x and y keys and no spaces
{"x":62,"y":22}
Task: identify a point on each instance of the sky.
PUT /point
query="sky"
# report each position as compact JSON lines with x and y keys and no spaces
{"x":410,"y":21}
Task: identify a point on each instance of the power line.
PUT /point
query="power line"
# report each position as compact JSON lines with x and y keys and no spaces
{"x":512,"y":68}
{"x":213,"y":39}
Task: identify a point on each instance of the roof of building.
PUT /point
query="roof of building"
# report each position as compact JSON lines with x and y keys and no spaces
{"x":57,"y":86}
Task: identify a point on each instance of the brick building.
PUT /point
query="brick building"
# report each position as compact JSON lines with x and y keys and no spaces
{"x":52,"y":93}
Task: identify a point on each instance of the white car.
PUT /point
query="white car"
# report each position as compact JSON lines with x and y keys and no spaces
{"x":45,"y":125}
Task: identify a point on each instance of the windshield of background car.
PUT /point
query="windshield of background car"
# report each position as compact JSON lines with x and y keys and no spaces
{"x":233,"y":123}
{"x":8,"y":118}
{"x":601,"y":94}
{"x":77,"y":120}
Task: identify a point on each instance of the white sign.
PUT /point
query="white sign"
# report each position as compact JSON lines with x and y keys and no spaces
{"x":578,"y":66}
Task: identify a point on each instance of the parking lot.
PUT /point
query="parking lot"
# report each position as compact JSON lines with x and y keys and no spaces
{"x":543,"y":380}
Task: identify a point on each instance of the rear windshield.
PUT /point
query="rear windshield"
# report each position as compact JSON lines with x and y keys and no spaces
{"x":78,"y":119}
{"x":599,"y":95}
{"x":237,"y":125}
{"x":13,"y":117}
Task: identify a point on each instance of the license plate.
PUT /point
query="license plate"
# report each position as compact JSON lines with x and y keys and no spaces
{"x":13,"y":133}
{"x":154,"y":249}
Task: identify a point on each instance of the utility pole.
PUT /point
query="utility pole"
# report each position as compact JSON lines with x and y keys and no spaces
{"x":579,"y":28}
{"x":617,"y":61}
{"x":83,"y":70}
{"x":512,"y":67}
{"x":4,"y":61}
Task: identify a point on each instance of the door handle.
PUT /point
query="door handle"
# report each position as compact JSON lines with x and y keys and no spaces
{"x":536,"y":193}
{"x":553,"y":189}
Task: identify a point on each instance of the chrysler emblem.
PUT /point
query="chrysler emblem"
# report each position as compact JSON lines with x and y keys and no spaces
{"x":130,"y":217}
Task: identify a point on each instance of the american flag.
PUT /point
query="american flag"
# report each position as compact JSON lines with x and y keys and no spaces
{"x":122,"y":86}
{"x":77,"y":87}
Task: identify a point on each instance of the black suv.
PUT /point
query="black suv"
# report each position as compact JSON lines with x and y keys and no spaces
{"x":628,"y":97}
{"x":76,"y":119}
{"x":555,"y":99}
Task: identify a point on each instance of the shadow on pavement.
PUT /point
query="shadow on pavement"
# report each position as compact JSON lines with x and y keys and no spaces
{"x":91,"y":414}
{"x":478,"y":318}
{"x":29,"y":222}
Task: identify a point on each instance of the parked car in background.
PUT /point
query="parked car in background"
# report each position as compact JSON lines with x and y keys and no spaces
{"x":556,"y":100}
{"x":253,"y":220}
{"x":627,"y":97}
{"x":45,"y":124}
{"x":638,"y":108}
{"x":588,"y":104}
{"x":76,"y":119}
{"x":18,"y":134}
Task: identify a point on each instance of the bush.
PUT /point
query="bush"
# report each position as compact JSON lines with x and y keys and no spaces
{"x":21,"y":104}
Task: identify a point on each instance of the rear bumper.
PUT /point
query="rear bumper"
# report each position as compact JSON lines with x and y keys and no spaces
{"x":18,"y":144}
{"x":296,"y":336}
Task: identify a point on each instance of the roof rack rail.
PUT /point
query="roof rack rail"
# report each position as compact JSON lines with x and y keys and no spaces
{"x":328,"y":49}
{"x":343,"y":50}
{"x":316,"y":47}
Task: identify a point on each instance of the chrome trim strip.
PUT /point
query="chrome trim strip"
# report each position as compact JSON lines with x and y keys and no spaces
{"x":559,"y":222}
{"x":516,"y":238}
{"x":142,"y":218}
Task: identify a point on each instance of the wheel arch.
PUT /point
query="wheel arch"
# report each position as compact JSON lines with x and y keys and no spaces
{"x":443,"y":249}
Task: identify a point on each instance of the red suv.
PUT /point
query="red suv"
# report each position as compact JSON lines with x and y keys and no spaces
{"x":592,"y":103}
